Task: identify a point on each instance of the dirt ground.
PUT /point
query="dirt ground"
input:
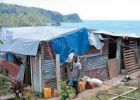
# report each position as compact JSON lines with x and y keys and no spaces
{"x":85,"y":95}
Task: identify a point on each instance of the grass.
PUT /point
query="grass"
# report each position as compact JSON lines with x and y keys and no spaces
{"x":135,"y":94}
{"x":119,"y":89}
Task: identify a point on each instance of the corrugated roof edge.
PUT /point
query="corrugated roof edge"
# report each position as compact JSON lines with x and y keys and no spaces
{"x":131,"y":35}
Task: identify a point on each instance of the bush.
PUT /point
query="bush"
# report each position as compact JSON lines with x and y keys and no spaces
{"x":67,"y":92}
{"x":4,"y":86}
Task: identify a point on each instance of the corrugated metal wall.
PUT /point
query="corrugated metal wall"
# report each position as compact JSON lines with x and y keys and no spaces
{"x":48,"y":66}
{"x":96,"y":65}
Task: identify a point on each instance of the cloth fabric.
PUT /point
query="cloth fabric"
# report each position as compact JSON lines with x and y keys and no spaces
{"x":75,"y":70}
{"x":74,"y":74}
{"x":76,"y":42}
{"x":75,"y":86}
{"x":10,"y":57}
{"x":70,"y":57}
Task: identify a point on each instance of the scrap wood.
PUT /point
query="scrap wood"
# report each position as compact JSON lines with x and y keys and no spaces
{"x":113,"y":68}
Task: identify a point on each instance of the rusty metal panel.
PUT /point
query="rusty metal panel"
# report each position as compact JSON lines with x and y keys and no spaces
{"x":49,"y":73}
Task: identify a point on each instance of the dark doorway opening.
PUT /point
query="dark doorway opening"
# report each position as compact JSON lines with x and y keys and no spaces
{"x":112,"y":47}
{"x":27,"y":75}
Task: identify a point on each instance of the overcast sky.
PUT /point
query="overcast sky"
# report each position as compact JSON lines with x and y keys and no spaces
{"x":89,"y":9}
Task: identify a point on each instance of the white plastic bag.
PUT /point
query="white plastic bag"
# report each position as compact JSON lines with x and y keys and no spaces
{"x":98,"y":82}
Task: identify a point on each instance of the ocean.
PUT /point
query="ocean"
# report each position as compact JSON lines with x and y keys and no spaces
{"x":116,"y":26}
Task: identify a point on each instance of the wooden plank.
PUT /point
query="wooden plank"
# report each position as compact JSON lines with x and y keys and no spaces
{"x":129,"y":56}
{"x":40,"y":72}
{"x":133,"y":46}
{"x":129,"y":64}
{"x":129,"y":61}
{"x":130,"y":50}
{"x":128,"y":53}
{"x":58,"y":72}
{"x":118,"y":53}
{"x":132,"y":71}
{"x":128,"y":67}
{"x":132,"y":68}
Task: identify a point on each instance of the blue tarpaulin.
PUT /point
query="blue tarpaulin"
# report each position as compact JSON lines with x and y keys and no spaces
{"x":76,"y":42}
{"x":25,"y":40}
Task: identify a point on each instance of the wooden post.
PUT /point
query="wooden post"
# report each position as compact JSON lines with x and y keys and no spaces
{"x":40,"y":73}
{"x":118,"y":53}
{"x":42,"y":59}
{"x":32,"y":77}
{"x":58,"y":72}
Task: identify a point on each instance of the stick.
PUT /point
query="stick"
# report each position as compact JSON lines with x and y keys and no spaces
{"x":124,"y":94}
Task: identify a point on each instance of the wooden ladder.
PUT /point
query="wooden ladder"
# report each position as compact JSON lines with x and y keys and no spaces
{"x":129,"y":55}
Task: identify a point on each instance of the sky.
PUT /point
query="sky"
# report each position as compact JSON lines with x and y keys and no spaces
{"x":88,"y":9}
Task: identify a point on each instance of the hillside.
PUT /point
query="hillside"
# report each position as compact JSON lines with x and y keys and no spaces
{"x":16,"y":15}
{"x":72,"y":18}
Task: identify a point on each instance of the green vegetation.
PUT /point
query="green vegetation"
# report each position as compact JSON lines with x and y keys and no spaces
{"x":72,"y":18}
{"x":114,"y":91}
{"x":14,"y":15}
{"x":135,"y":95}
{"x":4,"y":86}
{"x":67,"y":92}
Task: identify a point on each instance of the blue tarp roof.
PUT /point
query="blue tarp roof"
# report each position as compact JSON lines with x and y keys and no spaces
{"x":77,"y":43}
{"x":25,"y":40}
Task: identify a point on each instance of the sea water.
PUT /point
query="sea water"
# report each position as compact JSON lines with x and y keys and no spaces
{"x":116,"y":26}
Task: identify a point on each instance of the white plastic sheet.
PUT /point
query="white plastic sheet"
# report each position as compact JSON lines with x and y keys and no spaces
{"x":95,"y":40}
{"x":25,"y":40}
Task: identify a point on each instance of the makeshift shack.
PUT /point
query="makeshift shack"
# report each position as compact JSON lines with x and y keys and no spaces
{"x":43,"y":49}
{"x":124,"y":52}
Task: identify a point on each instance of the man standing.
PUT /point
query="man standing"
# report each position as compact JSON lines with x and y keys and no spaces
{"x":75,"y":72}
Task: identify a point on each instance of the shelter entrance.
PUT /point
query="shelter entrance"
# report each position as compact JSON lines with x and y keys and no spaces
{"x":112,"y":48}
{"x":27,"y":75}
